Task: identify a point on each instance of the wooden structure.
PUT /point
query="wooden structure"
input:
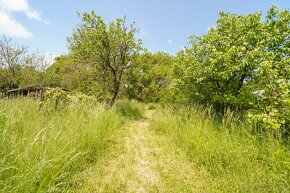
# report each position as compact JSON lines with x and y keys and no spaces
{"x":36,"y":92}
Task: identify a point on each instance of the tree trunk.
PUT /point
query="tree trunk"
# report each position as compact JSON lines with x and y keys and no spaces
{"x":113,"y":98}
{"x":115,"y":92}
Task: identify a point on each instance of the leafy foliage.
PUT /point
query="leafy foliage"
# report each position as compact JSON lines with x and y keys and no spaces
{"x":12,"y":58}
{"x":109,"y":48}
{"x":67,"y":73}
{"x":55,"y":99}
{"x":241,"y":63}
{"x":149,"y":76}
{"x":79,"y":98}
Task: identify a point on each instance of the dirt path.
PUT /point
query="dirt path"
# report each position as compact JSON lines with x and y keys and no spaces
{"x":143,"y":162}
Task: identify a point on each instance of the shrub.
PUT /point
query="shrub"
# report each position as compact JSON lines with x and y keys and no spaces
{"x":80,"y":98}
{"x":55,"y":99}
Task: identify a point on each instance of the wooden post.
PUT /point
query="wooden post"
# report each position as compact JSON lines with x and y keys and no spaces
{"x":41,"y":90}
{"x":41,"y":94}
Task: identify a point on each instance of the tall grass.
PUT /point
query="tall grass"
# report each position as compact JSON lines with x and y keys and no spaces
{"x":130,"y":109}
{"x":234,"y":158}
{"x":41,"y":151}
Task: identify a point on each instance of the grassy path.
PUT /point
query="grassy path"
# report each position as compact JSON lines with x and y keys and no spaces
{"x":143,"y":162}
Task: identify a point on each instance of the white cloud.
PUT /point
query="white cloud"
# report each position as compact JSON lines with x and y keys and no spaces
{"x":169,"y":42}
{"x":8,"y":25}
{"x":14,"y":5}
{"x":33,"y":14}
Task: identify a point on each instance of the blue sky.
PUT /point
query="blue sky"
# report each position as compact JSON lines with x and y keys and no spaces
{"x":164,"y":25}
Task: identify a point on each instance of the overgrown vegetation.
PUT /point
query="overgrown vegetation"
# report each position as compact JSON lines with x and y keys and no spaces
{"x":238,"y":73}
{"x":233,"y":158}
{"x":41,"y":152}
{"x":242,"y":63}
{"x":131,"y":110}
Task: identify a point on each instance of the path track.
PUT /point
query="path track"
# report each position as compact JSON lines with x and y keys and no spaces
{"x":143,"y":162}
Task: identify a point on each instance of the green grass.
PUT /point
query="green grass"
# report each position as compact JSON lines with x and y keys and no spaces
{"x":45,"y":150}
{"x":130,"y":109}
{"x":41,"y":151}
{"x":234,"y":159}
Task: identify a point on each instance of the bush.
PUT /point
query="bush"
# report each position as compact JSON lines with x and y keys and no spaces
{"x":79,"y":98}
{"x":55,"y":99}
{"x":132,"y":110}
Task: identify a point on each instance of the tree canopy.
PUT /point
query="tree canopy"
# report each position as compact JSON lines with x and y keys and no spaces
{"x":109,"y":48}
{"x":242,"y":63}
{"x":149,"y":77}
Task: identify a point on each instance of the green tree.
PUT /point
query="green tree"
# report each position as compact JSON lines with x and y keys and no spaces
{"x":109,"y":48}
{"x":34,"y":70}
{"x":271,"y":108}
{"x":30,"y":76}
{"x":218,"y":64}
{"x":149,"y":77}
{"x":242,"y":63}
{"x":67,"y":73}
{"x":12,"y":58}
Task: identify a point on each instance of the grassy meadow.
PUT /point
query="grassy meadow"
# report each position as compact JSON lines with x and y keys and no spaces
{"x":41,"y":150}
{"x":58,"y":150}
{"x":235,"y":159}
